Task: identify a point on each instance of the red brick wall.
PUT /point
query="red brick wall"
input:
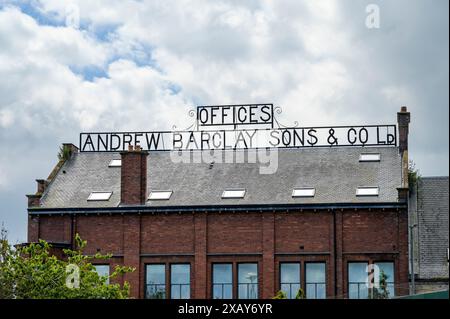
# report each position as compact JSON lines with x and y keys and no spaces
{"x":55,"y":228}
{"x":366,"y":231}
{"x":177,"y":237}
{"x":266,"y":238}
{"x":308,"y":229}
{"x":102,"y":233}
{"x":227,"y":233}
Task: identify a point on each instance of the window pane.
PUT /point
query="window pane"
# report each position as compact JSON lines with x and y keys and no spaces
{"x":180,"y":281}
{"x":247,"y":281}
{"x":156,"y":282}
{"x":102,"y":270}
{"x":357,"y":280}
{"x":315,"y":281}
{"x":290,"y":272}
{"x":388,"y":269}
{"x":222,"y":281}
{"x":290,"y":279}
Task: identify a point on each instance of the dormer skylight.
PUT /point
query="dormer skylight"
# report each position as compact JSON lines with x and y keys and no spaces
{"x":99,"y":196}
{"x":304,"y":192}
{"x":369,"y":157}
{"x":367,"y":191}
{"x":160,"y":195}
{"x":115,"y":163}
{"x":234,"y":193}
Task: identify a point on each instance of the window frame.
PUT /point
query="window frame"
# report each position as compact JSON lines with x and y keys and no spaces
{"x":306,"y":277}
{"x":114,"y":161}
{"x":166,"y":293}
{"x":393,"y":269}
{"x":170,"y":284}
{"x":257,"y":278}
{"x":362,"y":160}
{"x":160,"y":191}
{"x":89,"y":199}
{"x":313,"y":189}
{"x":234,"y":190}
{"x":109,"y":270}
{"x":233,"y":283}
{"x":367,"y":187}
{"x":280,"y":283}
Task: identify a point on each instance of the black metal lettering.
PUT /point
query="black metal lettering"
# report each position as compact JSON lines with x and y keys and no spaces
{"x":313,"y":138}
{"x":252,"y":114}
{"x":155,"y":142}
{"x":127,"y":138}
{"x":366,"y":136}
{"x":274,"y":134}
{"x":176,"y":138}
{"x":242,"y":108}
{"x":88,"y":141}
{"x":111,"y":142}
{"x":332,"y":140}
{"x":104,"y":142}
{"x":297,"y":137}
{"x":351,"y":141}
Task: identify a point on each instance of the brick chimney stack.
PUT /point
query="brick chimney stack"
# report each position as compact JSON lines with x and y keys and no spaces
{"x":403,"y":119}
{"x":133,"y":183}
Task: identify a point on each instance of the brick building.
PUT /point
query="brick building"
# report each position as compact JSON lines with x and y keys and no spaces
{"x":222,"y":230}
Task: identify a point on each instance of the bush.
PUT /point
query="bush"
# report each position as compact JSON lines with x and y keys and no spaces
{"x":32,"y":272}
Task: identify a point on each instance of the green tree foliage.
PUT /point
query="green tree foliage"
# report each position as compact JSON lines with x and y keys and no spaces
{"x":64,"y":153}
{"x":381,"y":292}
{"x":280,"y":295}
{"x":300,"y":294}
{"x":413,"y":175}
{"x":32,"y":272}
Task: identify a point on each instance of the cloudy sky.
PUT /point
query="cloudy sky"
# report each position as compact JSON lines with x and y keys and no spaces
{"x":72,"y":66}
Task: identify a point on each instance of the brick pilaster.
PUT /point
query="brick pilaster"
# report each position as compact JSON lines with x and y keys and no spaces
{"x":200,"y":262}
{"x":268,"y":260}
{"x":33,"y":228}
{"x":402,"y":280}
{"x":339,"y":280}
{"x":131,"y":251}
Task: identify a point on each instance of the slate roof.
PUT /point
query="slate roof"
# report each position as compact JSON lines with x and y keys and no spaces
{"x":335,"y":173}
{"x":432,"y":212}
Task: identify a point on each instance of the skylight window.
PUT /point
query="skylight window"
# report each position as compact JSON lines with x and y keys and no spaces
{"x":304,"y":192}
{"x":367,"y":191}
{"x":369,"y":157}
{"x":233,"y":193}
{"x":95,"y":196}
{"x":160,"y":195}
{"x":115,"y":163}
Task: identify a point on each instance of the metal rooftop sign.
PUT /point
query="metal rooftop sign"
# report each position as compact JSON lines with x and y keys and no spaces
{"x":211,"y":131}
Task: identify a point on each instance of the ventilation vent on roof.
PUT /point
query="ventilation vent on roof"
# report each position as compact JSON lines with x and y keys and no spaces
{"x":234,"y":193}
{"x":369,"y":157}
{"x":115,"y":163}
{"x":98,"y":196}
{"x":160,"y":195}
{"x":367,"y":191}
{"x":304,"y":192}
